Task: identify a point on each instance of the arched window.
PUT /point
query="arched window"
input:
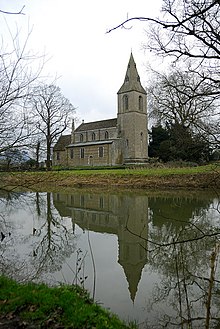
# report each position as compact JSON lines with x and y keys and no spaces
{"x":71,"y":154}
{"x":101,"y":202}
{"x":82,"y":200}
{"x":81,"y":137}
{"x":125,"y":102}
{"x":106,"y":135}
{"x":93,"y":136}
{"x":101,"y":152}
{"x":82,"y":153}
{"x":140,"y":103}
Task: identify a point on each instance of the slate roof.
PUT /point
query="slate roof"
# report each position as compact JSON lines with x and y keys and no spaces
{"x":97,"y":125}
{"x":62,"y":142}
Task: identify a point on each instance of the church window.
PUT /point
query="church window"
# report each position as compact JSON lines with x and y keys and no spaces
{"x":126,"y":78}
{"x":81,"y":137}
{"x":106,"y":135}
{"x":101,"y":202}
{"x":101,"y":151}
{"x":82,"y":153}
{"x":71,"y":153}
{"x":93,"y":136}
{"x":140,"y":103}
{"x":82,"y":200}
{"x":94,"y":217}
{"x":125,"y":102}
{"x":141,"y":137}
{"x":72,"y":199}
{"x":58,"y":155}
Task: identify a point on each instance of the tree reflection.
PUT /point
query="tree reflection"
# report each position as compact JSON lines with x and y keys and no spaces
{"x":55,"y":241}
{"x":51,"y":238}
{"x":187,"y":260}
{"x":10,"y":264}
{"x":177,"y":235}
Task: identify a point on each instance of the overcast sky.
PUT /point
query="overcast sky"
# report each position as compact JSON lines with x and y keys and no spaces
{"x":90,"y":63}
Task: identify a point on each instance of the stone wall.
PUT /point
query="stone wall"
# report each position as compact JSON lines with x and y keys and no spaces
{"x":59,"y":158}
{"x":90,"y":155}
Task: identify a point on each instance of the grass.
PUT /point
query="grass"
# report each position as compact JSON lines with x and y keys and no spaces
{"x":68,"y":306}
{"x":140,"y":172}
{"x":137,"y":171}
{"x":138,"y":177}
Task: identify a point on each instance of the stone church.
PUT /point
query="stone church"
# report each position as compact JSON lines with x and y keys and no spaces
{"x":118,"y":141}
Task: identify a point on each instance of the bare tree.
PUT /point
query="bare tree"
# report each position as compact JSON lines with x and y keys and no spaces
{"x":16,"y":80}
{"x":180,"y":97}
{"x":187,"y":30}
{"x":52,"y":115}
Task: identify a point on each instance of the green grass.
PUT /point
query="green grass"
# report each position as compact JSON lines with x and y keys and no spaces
{"x":142,"y":171}
{"x":122,"y":172}
{"x":69,"y":306}
{"x":201,"y":176}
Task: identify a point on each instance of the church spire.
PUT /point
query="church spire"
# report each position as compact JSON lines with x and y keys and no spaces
{"x":132,"y":79}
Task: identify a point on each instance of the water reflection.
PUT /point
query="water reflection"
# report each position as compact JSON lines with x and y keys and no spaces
{"x":121,"y":214}
{"x":37,"y":240}
{"x":167,"y":246}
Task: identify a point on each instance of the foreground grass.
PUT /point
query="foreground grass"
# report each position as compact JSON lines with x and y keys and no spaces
{"x":53,"y":307}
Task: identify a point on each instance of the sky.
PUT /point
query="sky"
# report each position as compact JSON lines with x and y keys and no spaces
{"x":89,"y":63}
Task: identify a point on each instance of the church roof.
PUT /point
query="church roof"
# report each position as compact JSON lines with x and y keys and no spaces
{"x":91,"y":143}
{"x":132,"y":79}
{"x":62,"y":142}
{"x":97,"y":125}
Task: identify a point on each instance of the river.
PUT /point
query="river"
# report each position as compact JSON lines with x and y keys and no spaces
{"x":152,"y":257}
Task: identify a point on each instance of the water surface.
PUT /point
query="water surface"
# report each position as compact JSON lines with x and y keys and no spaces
{"x":144,"y":255}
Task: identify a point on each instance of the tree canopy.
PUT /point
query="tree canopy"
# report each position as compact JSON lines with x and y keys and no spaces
{"x":177,"y":143}
{"x":52,"y":114}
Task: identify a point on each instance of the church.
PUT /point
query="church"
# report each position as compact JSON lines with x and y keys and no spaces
{"x":118,"y":141}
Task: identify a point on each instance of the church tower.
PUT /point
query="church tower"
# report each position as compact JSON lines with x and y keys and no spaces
{"x":132,"y":117}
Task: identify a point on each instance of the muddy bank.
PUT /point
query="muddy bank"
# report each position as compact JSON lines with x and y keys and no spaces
{"x":53,"y":180}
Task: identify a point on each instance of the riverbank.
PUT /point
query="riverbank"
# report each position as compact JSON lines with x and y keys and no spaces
{"x":200,"y":177}
{"x":33,"y":306}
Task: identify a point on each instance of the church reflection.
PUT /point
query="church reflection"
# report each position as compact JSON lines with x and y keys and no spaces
{"x":121,"y":214}
{"x":127,"y":215}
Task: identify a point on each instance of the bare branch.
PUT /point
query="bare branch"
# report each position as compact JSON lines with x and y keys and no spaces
{"x":20,"y":12}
